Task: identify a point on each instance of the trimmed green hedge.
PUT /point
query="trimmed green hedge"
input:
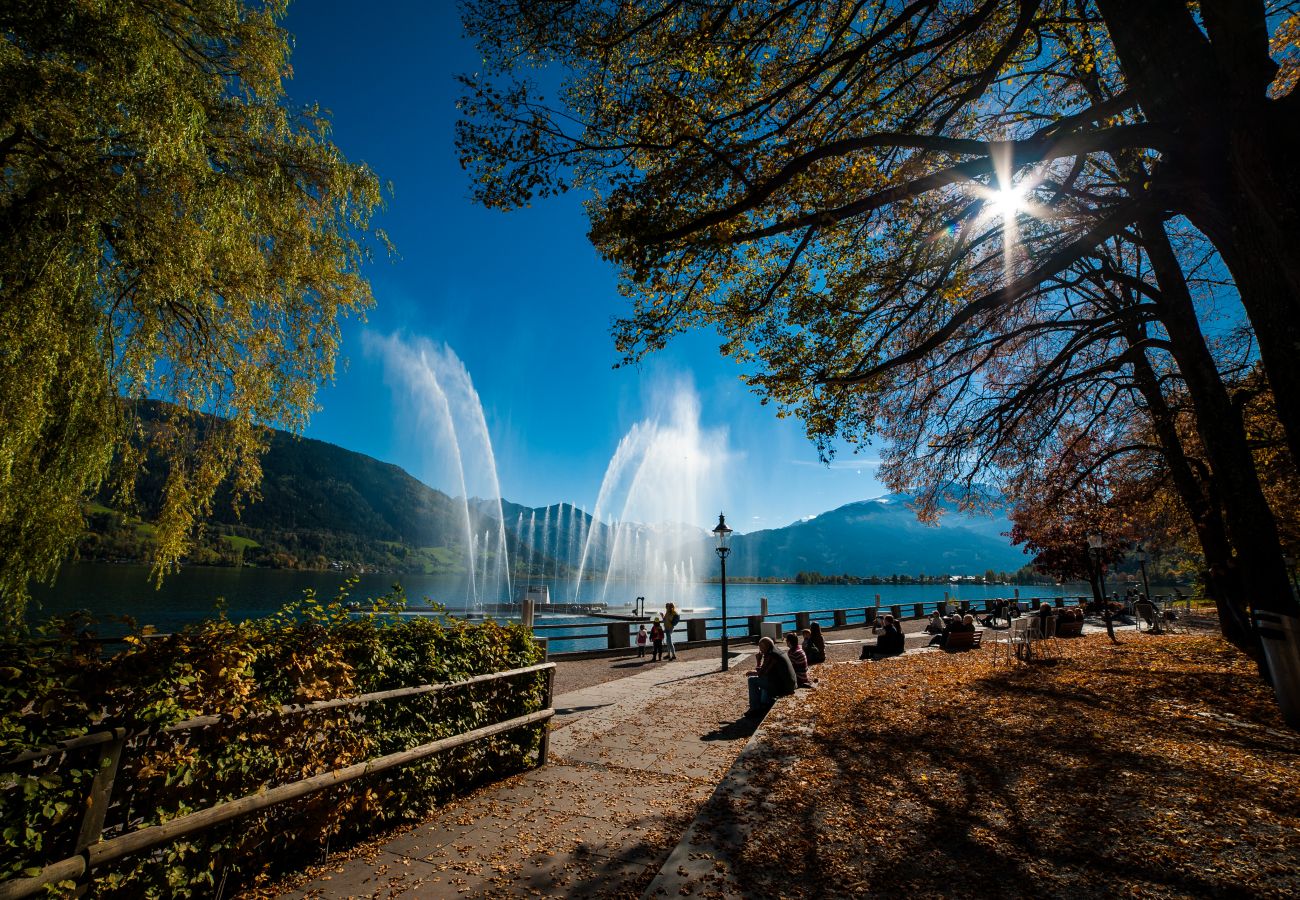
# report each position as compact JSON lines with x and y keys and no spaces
{"x":59,"y":686}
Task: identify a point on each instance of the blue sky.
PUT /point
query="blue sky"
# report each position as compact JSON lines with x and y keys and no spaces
{"x":521,"y":298}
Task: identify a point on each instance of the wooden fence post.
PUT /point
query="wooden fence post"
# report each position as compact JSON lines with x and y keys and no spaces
{"x":618,"y":635}
{"x":802,"y":620}
{"x":841,"y":617}
{"x":101,"y":790}
{"x":545,"y":748}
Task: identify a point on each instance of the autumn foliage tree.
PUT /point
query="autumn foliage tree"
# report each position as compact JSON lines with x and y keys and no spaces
{"x":170,"y":228}
{"x":848,"y":190}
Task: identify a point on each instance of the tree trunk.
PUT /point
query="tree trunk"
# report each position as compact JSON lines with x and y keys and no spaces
{"x":1251,"y":526}
{"x":1222,"y":579}
{"x":1234,"y":166}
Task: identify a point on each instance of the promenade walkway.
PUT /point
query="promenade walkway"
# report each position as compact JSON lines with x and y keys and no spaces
{"x":632,"y":762}
{"x":635,"y":759}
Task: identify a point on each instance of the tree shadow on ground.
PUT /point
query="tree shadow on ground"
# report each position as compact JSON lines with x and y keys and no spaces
{"x":1066,"y":780}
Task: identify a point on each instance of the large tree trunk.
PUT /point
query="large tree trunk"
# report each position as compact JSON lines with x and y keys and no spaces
{"x":1234,"y":165}
{"x":1251,"y":526}
{"x":1222,"y":582}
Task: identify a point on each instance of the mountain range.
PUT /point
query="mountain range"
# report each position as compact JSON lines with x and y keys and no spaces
{"x":322,"y":505}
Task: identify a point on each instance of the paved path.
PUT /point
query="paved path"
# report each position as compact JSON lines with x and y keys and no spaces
{"x":632,"y":762}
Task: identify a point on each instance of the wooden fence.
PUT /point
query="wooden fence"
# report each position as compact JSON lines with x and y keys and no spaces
{"x":92,"y":851}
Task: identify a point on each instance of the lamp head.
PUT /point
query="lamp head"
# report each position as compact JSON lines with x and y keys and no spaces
{"x":1096,"y":542}
{"x":721,"y":532}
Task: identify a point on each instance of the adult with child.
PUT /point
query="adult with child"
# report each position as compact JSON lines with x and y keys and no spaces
{"x":773,"y":677}
{"x":936,"y":625}
{"x":814,"y":645}
{"x":890,"y":643}
{"x":671,"y":618}
{"x":798,"y":660}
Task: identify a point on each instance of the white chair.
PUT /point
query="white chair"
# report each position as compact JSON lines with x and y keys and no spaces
{"x":1047,"y":640}
{"x":1013,"y":642}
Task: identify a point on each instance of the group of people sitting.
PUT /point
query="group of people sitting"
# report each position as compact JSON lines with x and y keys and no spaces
{"x":889,"y":640}
{"x":779,"y":674}
{"x":1002,"y":609}
{"x":940,"y":627}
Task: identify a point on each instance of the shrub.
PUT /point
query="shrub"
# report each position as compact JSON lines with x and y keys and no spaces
{"x":58,"y":685}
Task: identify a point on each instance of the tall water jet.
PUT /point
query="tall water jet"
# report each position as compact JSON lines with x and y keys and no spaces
{"x":546,"y":539}
{"x":440,"y":394}
{"x":665,"y":473}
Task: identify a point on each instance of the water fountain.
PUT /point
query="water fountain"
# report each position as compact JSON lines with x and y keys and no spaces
{"x":657,"y":482}
{"x":663,"y":470}
{"x":447,"y":410}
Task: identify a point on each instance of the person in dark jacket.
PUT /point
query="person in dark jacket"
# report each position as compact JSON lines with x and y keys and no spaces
{"x":774,"y":677}
{"x":814,"y":645}
{"x":1044,"y":613}
{"x":890,"y":642}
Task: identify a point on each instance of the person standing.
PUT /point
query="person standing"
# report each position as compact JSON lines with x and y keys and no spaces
{"x":642,"y":638}
{"x":657,"y":639}
{"x":671,"y":618}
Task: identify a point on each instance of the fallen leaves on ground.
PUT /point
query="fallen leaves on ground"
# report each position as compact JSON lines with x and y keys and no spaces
{"x":1156,"y":768}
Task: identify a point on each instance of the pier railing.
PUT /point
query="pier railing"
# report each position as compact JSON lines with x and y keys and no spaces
{"x":615,"y":637}
{"x":97,"y":846}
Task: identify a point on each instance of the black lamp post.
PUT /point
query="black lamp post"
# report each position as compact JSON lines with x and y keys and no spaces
{"x":1142,"y":556}
{"x":1096,"y":544}
{"x":723,"y":534}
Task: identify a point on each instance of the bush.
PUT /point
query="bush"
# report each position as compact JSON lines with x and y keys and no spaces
{"x":59,"y":686}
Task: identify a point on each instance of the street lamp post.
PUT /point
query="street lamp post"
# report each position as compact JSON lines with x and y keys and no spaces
{"x":723,"y":535}
{"x":1096,"y":544}
{"x":1142,"y":557}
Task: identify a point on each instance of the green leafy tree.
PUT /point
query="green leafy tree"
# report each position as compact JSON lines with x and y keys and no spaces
{"x":169,"y":227}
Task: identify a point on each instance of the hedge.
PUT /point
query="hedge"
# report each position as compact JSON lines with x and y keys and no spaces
{"x":58,"y":684}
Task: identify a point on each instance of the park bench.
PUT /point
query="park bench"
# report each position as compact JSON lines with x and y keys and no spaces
{"x":963,"y":640}
{"x":1069,"y":628}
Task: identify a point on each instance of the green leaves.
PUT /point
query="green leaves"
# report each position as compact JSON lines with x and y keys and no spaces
{"x":242,"y":673}
{"x":170,"y":228}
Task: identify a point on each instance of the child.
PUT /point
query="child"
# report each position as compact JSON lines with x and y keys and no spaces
{"x":657,"y":638}
{"x":798,"y":659}
{"x":641,"y":637}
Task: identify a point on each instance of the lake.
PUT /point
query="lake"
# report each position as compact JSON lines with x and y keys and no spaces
{"x":192,"y":594}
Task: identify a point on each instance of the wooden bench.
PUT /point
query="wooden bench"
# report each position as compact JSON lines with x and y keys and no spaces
{"x":963,"y":640}
{"x":1069,"y":628}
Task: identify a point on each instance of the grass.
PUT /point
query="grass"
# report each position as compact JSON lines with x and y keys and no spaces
{"x":239,"y":543}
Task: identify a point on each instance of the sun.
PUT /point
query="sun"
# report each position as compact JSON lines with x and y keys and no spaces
{"x":1006,"y":203}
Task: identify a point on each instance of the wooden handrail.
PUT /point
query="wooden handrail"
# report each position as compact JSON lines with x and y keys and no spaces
{"x":93,"y":852}
{"x":103,"y":737}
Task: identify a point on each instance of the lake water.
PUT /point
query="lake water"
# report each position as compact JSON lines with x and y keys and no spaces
{"x":192,"y":594}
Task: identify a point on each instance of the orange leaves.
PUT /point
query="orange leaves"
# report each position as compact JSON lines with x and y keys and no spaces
{"x":1119,"y":773}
